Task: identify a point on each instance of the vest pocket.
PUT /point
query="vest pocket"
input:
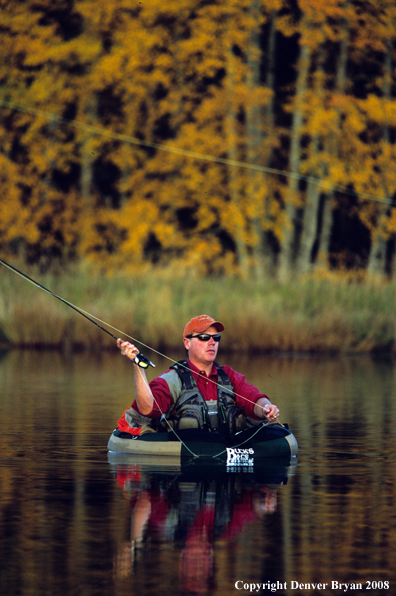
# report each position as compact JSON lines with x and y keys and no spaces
{"x":235,"y":420}
{"x":191,"y":418}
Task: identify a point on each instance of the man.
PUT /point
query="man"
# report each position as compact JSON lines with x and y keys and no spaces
{"x":196,"y":393}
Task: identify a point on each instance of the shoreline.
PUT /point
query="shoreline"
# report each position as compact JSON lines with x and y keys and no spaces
{"x":328,"y":316}
{"x":75,"y":350}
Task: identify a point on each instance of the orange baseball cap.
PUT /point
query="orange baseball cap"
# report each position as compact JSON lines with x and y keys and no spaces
{"x":200,"y":324}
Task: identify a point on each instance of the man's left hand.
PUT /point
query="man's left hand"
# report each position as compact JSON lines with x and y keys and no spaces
{"x":271,"y":412}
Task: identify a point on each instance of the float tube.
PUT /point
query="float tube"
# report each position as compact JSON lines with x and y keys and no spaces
{"x":246,"y":448}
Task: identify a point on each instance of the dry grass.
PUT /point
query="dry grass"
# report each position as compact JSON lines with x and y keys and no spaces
{"x":316,"y":315}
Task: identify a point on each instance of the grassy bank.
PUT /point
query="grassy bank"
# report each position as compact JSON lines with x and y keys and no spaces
{"x":315,"y":315}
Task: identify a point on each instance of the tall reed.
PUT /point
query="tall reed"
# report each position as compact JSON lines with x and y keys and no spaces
{"x":315,"y":315}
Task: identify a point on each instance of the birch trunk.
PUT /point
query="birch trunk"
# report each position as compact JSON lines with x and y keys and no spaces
{"x":234,"y":187}
{"x":268,"y":118}
{"x":287,"y":252}
{"x":256,"y":134}
{"x":332,"y":149}
{"x":310,"y":217}
{"x":379,"y":238}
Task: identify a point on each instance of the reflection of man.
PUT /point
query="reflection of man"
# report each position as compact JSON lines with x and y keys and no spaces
{"x":264,"y":501}
{"x":199,"y":514}
{"x":197,"y":393}
{"x":197,"y":569}
{"x":196,"y":565}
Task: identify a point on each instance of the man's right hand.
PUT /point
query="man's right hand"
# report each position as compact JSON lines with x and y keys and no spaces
{"x":127,"y":349}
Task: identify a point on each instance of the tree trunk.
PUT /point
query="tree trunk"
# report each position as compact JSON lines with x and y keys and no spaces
{"x":322,"y":259}
{"x":288,"y":253}
{"x":379,"y":238}
{"x":332,"y":149}
{"x":310,"y":218}
{"x":255,"y":141}
{"x":268,"y":123}
{"x":234,"y":187}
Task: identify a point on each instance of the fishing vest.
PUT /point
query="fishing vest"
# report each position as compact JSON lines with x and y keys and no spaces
{"x":191,"y":410}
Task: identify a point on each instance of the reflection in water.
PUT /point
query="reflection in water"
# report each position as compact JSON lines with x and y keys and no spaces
{"x":73,"y":523}
{"x":195,"y":508}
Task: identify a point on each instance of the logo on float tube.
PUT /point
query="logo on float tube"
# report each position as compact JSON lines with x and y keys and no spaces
{"x":239,"y":457}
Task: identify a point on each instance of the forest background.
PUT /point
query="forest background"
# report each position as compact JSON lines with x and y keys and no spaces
{"x":161,"y":159}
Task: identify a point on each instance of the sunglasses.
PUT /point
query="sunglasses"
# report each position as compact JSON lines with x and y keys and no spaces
{"x":205,"y":336}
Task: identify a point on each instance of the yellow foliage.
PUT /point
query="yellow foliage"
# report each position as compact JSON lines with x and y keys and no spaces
{"x":193,"y":78}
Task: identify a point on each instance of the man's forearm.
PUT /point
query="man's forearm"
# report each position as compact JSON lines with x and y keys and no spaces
{"x":143,"y":394}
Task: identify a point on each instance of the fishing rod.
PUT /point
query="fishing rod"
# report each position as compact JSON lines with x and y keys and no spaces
{"x":141,"y":360}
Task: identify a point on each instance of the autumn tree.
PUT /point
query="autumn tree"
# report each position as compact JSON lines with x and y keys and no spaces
{"x":220,"y":137}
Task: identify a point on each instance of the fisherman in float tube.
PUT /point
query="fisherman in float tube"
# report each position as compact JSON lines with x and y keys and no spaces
{"x":196,"y":393}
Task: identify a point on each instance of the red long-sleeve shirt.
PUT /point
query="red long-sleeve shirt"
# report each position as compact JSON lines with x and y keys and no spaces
{"x":246,"y":395}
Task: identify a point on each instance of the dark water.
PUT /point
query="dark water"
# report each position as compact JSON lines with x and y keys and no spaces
{"x":74,"y":523}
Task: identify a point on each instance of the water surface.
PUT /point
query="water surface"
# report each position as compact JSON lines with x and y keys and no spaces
{"x":75,"y":522}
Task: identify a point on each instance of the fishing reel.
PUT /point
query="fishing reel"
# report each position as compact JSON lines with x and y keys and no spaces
{"x":142,"y":361}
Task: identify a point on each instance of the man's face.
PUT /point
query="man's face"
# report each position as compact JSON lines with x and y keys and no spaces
{"x":202,"y":352}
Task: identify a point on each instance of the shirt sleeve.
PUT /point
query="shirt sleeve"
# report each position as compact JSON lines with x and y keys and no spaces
{"x":246,"y":395}
{"x":162,"y":398}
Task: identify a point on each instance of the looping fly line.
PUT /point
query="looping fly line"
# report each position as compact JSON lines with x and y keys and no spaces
{"x":185,"y":152}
